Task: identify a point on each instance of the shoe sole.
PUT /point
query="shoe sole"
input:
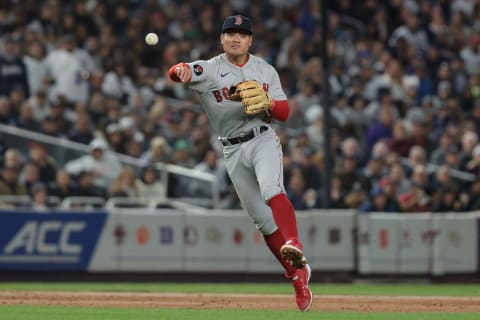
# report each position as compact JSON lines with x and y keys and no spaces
{"x":294,"y":256}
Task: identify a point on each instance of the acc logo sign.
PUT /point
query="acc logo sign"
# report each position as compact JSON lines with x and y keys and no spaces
{"x":32,"y":238}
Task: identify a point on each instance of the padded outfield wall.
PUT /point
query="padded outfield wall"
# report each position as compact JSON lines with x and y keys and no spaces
{"x":165,"y":240}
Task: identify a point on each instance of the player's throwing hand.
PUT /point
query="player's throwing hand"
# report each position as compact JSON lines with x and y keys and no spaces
{"x":184,"y":73}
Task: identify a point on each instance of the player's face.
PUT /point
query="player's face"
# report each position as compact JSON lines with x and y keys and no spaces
{"x":236,"y":43}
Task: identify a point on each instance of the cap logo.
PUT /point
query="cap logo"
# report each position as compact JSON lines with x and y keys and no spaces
{"x":238,"y":20}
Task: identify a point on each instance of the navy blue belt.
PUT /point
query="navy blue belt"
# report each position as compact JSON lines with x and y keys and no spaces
{"x":244,"y":137}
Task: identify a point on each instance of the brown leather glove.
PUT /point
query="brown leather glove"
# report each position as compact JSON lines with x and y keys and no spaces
{"x":254,"y":99}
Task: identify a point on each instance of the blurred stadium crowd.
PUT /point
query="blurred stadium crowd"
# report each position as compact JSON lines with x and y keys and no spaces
{"x":405,"y":83}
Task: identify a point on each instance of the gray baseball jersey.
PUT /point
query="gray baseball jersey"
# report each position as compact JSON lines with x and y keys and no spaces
{"x":255,"y":166}
{"x":212,"y":80}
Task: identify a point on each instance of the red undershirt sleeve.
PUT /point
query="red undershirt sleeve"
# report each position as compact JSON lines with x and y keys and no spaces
{"x":171,"y":71}
{"x":280,"y":110}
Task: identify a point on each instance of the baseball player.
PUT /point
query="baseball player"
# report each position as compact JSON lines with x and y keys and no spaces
{"x":241,"y":94}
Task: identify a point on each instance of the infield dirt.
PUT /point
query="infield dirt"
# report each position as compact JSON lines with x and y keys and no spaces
{"x":240,"y":301}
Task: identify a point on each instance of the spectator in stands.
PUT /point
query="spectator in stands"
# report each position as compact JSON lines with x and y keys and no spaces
{"x":149,"y":184}
{"x":125,"y":184}
{"x":82,"y":130}
{"x":471,"y":54}
{"x":63,"y":186}
{"x":379,"y":202}
{"x":13,"y":73}
{"x":474,"y":195}
{"x":337,"y":194}
{"x":87,"y":187}
{"x":104,"y":165}
{"x":469,"y":142}
{"x":296,"y":189}
{"x":374,"y":170}
{"x":438,"y":155}
{"x":40,"y":106}
{"x":343,"y":115}
{"x":400,"y":142}
{"x":453,"y":157}
{"x":9,"y":184}
{"x":39,"y":194}
{"x":29,"y":175}
{"x":58,"y":112}
{"x":349,"y":173}
{"x":419,"y":133}
{"x":50,"y":127}
{"x":398,"y":178}
{"x":420,"y":178}
{"x":36,"y":68}
{"x":118,"y":84}
{"x":414,"y":200}
{"x":382,"y":129}
{"x":314,"y":119}
{"x":356,"y":197}
{"x":39,"y":156}
{"x":350,"y":147}
{"x":447,"y":200}
{"x":134,"y":147}
{"x":26,"y":119}
{"x":443,"y":178}
{"x":434,"y":92}
{"x":158,"y":151}
{"x":181,"y":153}
{"x":210,"y":164}
{"x":66,"y":72}
{"x":416,"y":156}
{"x":114,"y":137}
{"x":6,"y":113}
{"x":13,"y":158}
{"x":473,"y":166}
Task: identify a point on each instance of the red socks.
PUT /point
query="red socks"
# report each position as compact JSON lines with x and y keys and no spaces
{"x":284,"y":216}
{"x":274,"y":242}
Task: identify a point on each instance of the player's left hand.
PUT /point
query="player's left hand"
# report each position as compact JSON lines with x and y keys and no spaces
{"x":254,"y":99}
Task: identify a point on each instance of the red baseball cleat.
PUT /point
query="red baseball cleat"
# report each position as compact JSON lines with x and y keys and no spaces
{"x":292,"y":252}
{"x":303,"y":294}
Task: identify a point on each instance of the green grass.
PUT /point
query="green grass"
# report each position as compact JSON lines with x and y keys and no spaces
{"x":26,"y":312}
{"x":320,"y":289}
{"x":79,"y":313}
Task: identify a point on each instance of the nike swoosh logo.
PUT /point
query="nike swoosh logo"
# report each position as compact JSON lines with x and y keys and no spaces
{"x":224,"y":74}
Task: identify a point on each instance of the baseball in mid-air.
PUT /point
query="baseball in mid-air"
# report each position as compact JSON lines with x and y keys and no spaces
{"x":151,"y":39}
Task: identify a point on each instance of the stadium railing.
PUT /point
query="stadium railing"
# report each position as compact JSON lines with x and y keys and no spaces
{"x":179,"y":181}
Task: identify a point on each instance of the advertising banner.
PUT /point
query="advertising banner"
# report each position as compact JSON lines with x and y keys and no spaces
{"x":141,"y":240}
{"x":48,"y":241}
{"x":456,"y":244}
{"x":216,"y":241}
{"x":328,"y":240}
{"x":415,"y":243}
{"x":378,"y":243}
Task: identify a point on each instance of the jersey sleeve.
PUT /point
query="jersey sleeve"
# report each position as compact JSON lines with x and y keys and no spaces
{"x":275,"y":87}
{"x":280,"y":108}
{"x":201,"y":75}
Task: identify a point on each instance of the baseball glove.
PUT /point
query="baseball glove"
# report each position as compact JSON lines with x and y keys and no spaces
{"x":254,"y":99}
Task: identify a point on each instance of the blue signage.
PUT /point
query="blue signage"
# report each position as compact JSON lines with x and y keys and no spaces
{"x":48,"y":241}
